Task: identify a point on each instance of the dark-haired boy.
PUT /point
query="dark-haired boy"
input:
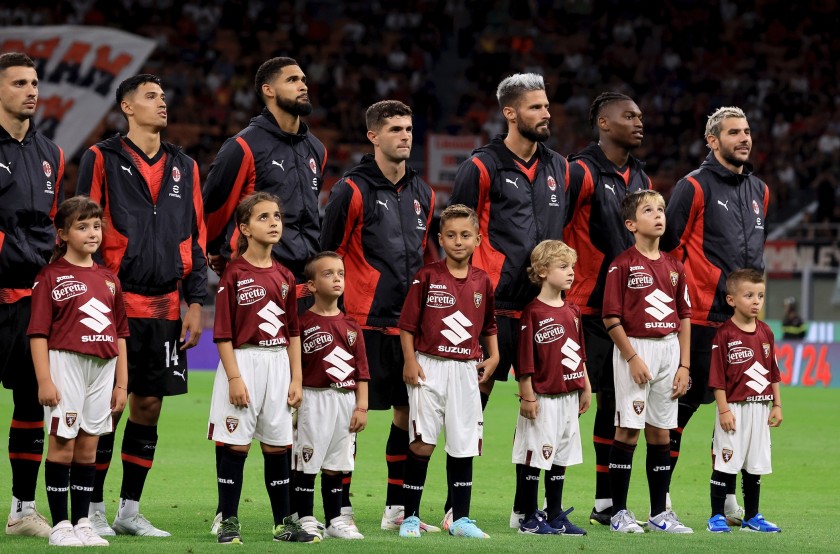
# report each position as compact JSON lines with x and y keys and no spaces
{"x":151,"y":197}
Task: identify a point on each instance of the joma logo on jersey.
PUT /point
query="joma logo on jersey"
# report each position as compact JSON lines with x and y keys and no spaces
{"x":550,"y":334}
{"x":639,"y":281}
{"x":436,"y":286}
{"x":740,"y":354}
{"x":231,"y":423}
{"x":68,"y":289}
{"x":439,"y":299}
{"x":244,"y":282}
{"x":248,"y":295}
{"x":317,"y":342}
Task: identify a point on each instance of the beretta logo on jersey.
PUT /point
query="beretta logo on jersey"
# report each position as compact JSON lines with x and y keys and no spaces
{"x":639,"y":280}
{"x":740,"y":354}
{"x":249,"y":295}
{"x":440,"y":299}
{"x":68,"y":289}
{"x":674,"y":278}
{"x":552,"y":184}
{"x":48,"y":169}
{"x":317,"y":341}
{"x":550,"y":333}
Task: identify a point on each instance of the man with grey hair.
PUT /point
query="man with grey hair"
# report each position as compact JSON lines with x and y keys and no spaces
{"x":716,"y":224}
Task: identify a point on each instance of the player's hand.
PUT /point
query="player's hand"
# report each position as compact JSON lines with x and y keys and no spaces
{"x":681,"y":380}
{"x":486,"y":368}
{"x":239,"y":396}
{"x":775,"y":418}
{"x":584,"y":401}
{"x":48,"y":394}
{"x":529,"y":409}
{"x":191,"y":325}
{"x":118,"y":399}
{"x":727,"y":421}
{"x":217,"y":263}
{"x":413,"y":373}
{"x":295,"y":394}
{"x":358,"y":422}
{"x":639,"y":371}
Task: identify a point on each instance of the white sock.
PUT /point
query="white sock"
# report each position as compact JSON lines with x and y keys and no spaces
{"x":21,"y":509}
{"x":731,"y":503}
{"x":602,"y":504}
{"x":128,"y":508}
{"x":668,"y":504}
{"x":96,"y":507}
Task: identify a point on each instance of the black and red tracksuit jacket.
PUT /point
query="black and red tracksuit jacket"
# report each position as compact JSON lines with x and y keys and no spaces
{"x":31,"y":187}
{"x":595,"y":228}
{"x":716,"y":223}
{"x":150,"y":246}
{"x":380,"y":228}
{"x":263,"y":157}
{"x":517,"y":209}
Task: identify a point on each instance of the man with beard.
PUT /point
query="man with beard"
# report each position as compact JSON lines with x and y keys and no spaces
{"x":275,"y":153}
{"x":600,"y":176}
{"x":518,"y":188}
{"x":716,"y":224}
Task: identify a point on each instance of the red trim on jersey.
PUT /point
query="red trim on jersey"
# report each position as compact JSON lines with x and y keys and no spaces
{"x":18,"y":424}
{"x":364,"y":278}
{"x":602,"y":469}
{"x":242,"y":187}
{"x":701,"y":274}
{"x":185,"y":250}
{"x":396,"y":458}
{"x":25,"y":456}
{"x":10,"y":296}
{"x":395,"y":481}
{"x":54,"y":426}
{"x":530,"y":172}
{"x":136,"y":460}
{"x":485,"y":256}
{"x":198,"y":206}
{"x":601,"y":440}
{"x":103,"y":467}
{"x":625,"y":175}
{"x":164,"y":306}
{"x":324,"y":161}
{"x":576,"y":235}
{"x":114,"y":243}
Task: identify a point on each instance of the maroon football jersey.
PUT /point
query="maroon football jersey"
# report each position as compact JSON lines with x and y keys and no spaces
{"x":744,"y":364}
{"x":446,"y":315}
{"x":256,"y":305}
{"x":648,"y":296}
{"x":551,"y":348}
{"x":78,"y":309}
{"x":333,"y":351}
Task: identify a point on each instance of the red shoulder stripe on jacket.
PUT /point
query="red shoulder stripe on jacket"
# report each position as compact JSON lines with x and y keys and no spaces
{"x":97,"y":185}
{"x":485,"y":256}
{"x":360,"y":288}
{"x":243,"y":186}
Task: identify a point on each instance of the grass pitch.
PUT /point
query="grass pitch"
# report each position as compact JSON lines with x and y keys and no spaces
{"x":180,"y":495}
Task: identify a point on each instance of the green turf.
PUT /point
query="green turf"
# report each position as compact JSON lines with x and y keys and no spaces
{"x":180,"y":496}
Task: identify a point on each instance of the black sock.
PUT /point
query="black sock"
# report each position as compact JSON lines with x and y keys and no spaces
{"x":293,"y":508}
{"x":602,"y":439}
{"x":57,"y":478}
{"x":621,"y":466}
{"x":684,"y":413}
{"x":104,"y":453}
{"x":528,"y":486}
{"x":731,"y":485}
{"x":220,"y":448}
{"x":26,"y":441}
{"x":751,"y":485}
{"x":230,"y":472}
{"x":517,"y":494}
{"x":554,"y":479}
{"x":718,"y":484}
{"x":305,"y":493}
{"x":396,"y":450}
{"x":81,"y":488}
{"x":459,"y":476}
{"x":414,"y":480}
{"x":138,"y":453}
{"x":484,"y":399}
{"x":346,"y":479}
{"x":658,"y":465}
{"x":331,"y":490}
{"x":277,"y":480}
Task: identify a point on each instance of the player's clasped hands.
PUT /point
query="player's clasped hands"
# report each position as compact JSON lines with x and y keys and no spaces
{"x":412,"y":372}
{"x":639,"y":371}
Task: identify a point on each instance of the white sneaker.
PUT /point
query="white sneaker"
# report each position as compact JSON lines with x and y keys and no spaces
{"x":447,"y":520}
{"x":85,"y":533}
{"x":667,"y":522}
{"x":625,"y":522}
{"x":340,"y":529}
{"x":516,"y":519}
{"x":393,"y":517}
{"x":63,"y":535}
{"x":734,"y":516}
{"x":349,"y":517}
{"x":311,"y":526}
{"x":32,"y":525}
{"x":100,"y":524}
{"x":214,"y":528}
{"x":137,"y":525}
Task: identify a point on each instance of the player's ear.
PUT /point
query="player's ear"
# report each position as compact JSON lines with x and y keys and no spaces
{"x":310,"y":284}
{"x":371,"y":135}
{"x":510,"y":113}
{"x":730,"y":300}
{"x":630,"y":224}
{"x":477,"y":239}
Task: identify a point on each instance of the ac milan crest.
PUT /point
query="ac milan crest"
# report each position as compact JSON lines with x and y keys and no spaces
{"x":547,"y":449}
{"x":111,"y":287}
{"x":231,"y":423}
{"x":312,"y":165}
{"x":552,"y":184}
{"x":70,"y":418}
{"x":284,"y":290}
{"x":351,"y":337}
{"x":754,"y":205}
{"x":638,"y":406}
{"x":477,"y":296}
{"x":674,"y":278}
{"x":726,"y":454}
{"x":176,"y":174}
{"x":417,"y":208}
{"x":307,"y":452}
{"x":47,"y":168}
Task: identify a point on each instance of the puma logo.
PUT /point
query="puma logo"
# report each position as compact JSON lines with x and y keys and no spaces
{"x":612,"y":188}
{"x":273,"y":162}
{"x":383,"y":203}
{"x":724,"y":204}
{"x":514,"y":182}
{"x":7,"y":167}
{"x":126,"y":169}
{"x":180,"y":374}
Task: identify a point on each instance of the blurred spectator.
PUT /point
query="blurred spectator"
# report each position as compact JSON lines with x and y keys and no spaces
{"x":793,"y":328}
